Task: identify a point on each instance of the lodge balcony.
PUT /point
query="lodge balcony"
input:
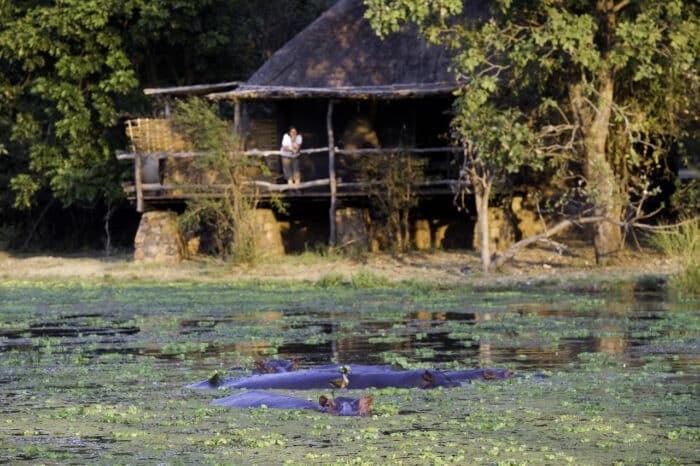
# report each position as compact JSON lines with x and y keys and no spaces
{"x":165,"y":171}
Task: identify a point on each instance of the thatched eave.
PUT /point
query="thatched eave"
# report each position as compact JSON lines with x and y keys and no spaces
{"x":396,"y":91}
{"x":197,"y":89}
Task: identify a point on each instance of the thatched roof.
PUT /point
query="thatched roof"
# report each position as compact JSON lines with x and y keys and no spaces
{"x":340,"y":55}
{"x":197,"y":89}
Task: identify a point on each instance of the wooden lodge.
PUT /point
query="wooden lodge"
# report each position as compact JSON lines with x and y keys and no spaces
{"x":351,"y":95}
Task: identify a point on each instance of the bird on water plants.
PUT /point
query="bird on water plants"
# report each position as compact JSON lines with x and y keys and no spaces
{"x":342,"y":381}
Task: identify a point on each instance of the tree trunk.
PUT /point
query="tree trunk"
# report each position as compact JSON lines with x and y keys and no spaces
{"x":481,"y":195}
{"x":602,"y":183}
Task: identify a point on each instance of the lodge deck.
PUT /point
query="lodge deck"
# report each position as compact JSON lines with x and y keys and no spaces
{"x":441,"y":180}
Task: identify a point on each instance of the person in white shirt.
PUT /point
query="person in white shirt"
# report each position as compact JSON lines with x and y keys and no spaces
{"x":289,"y":152}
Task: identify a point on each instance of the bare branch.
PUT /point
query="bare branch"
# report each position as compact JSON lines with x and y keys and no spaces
{"x":644,"y":226}
{"x":620,"y":6}
{"x":559,"y":227}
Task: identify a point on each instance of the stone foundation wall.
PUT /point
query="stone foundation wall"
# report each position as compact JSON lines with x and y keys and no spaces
{"x":502,"y":231}
{"x":270,"y":239}
{"x":511,"y":223}
{"x":429,"y":234}
{"x":158,"y":238}
{"x":352,"y":229}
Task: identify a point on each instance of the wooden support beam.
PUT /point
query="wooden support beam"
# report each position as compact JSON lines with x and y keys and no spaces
{"x":316,"y":150}
{"x":331,"y":173}
{"x":274,"y":187}
{"x":237,"y":117}
{"x":185,"y":155}
{"x":395,"y":91}
{"x":396,"y":150}
{"x":139,"y":183}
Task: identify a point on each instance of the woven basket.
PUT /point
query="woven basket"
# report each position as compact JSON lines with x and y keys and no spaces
{"x":150,"y":135}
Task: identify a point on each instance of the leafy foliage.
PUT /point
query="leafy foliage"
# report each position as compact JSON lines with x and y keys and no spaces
{"x":600,"y":89}
{"x":394,"y":194}
{"x":70,"y":72}
{"x":230,"y":217}
{"x":63,"y":69}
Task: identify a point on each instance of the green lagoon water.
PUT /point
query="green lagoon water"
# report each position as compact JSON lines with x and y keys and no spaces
{"x":94,"y":374}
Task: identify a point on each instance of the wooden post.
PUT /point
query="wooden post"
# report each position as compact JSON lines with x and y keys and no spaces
{"x":236,"y":116}
{"x":138,"y":181}
{"x":237,"y":123}
{"x":331,"y":173}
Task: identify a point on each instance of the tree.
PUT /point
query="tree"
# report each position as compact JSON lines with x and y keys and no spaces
{"x":70,"y":71}
{"x":62,"y":69}
{"x":392,"y":187}
{"x":601,"y":88}
{"x":182,"y":42}
{"x":230,"y":216}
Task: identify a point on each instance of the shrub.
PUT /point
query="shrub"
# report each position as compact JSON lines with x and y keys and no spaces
{"x":330,"y":280}
{"x":366,"y":279}
{"x":230,"y":216}
{"x":687,"y":281}
{"x":682,"y":244}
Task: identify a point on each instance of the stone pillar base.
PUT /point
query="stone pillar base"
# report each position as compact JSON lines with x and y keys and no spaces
{"x":158,"y":238}
{"x":351,"y":229}
{"x":501,"y":230}
{"x":270,"y":239}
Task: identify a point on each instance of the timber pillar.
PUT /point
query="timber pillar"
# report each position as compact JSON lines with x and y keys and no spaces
{"x":352,"y":231}
{"x":158,"y":238}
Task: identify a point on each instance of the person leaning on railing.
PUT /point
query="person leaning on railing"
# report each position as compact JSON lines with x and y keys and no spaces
{"x":289,"y":153}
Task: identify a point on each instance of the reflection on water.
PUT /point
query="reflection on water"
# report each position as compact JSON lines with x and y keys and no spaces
{"x":527,"y":335}
{"x":524,"y":331}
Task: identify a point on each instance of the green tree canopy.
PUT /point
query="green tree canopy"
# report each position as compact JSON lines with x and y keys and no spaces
{"x":71,"y":69}
{"x":63,"y":67}
{"x":603,"y":87}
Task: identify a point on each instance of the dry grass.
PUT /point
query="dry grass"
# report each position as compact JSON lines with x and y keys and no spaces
{"x":535,"y":265}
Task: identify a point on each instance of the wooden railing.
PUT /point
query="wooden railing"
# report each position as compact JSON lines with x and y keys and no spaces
{"x":334,"y":184}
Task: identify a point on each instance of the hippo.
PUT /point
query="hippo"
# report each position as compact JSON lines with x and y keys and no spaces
{"x":359,"y":377}
{"x":344,"y":406}
{"x":340,"y":406}
{"x":274,"y":366}
{"x":482,"y":375}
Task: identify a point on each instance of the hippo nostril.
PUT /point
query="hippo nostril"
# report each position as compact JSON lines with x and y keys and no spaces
{"x":346,"y":410}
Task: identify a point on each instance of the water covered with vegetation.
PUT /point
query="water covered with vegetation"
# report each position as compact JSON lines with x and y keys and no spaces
{"x":94,"y":373}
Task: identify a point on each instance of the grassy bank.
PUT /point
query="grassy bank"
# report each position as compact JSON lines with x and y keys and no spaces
{"x":534,"y":268}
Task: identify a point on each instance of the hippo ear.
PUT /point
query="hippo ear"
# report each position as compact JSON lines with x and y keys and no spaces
{"x":427,"y":379}
{"x":364,"y":407}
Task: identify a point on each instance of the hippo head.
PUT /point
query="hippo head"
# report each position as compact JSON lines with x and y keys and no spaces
{"x":433,"y":379}
{"x":274,"y":366}
{"x":497,"y":374}
{"x":342,"y":406}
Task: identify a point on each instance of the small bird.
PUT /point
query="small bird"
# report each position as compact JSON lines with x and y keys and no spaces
{"x":342,"y":381}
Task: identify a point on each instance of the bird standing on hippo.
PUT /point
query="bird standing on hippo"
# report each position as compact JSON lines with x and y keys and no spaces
{"x":358,"y":376}
{"x":355,"y":376}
